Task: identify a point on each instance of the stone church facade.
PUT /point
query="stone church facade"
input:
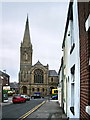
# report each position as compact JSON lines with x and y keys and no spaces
{"x":34,"y":78}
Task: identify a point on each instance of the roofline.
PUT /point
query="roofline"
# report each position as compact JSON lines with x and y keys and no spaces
{"x":3,"y":73}
{"x":60,"y":65}
{"x":67,"y":22}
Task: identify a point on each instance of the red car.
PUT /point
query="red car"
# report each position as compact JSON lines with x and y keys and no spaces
{"x":18,"y":99}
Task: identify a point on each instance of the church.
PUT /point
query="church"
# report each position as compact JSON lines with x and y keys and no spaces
{"x":37,"y":77}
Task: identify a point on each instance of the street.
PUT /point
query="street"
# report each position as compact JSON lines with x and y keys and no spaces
{"x":17,"y":110}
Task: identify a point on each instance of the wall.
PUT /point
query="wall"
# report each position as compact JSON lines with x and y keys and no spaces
{"x":84,"y":11}
{"x":71,"y":59}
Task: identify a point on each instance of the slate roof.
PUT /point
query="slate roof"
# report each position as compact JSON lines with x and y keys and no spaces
{"x":14,"y":85}
{"x":3,"y":73}
{"x":52,"y":73}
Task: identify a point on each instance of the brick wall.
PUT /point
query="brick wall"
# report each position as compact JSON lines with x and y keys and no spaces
{"x":84,"y":59}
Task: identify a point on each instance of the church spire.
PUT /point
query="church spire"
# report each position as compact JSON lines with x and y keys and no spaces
{"x":26,"y":38}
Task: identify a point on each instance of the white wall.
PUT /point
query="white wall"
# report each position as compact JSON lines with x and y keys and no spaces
{"x":70,"y":60}
{"x":60,"y":88}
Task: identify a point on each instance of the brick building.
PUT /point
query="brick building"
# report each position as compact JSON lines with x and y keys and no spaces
{"x":5,"y":78}
{"x":76,"y":61}
{"x":84,"y":32}
{"x":4,"y":81}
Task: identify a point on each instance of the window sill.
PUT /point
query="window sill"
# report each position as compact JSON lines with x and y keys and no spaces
{"x":88,"y":109}
{"x":73,"y":82}
{"x":72,"y":48}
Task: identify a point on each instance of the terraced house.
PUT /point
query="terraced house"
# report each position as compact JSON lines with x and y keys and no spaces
{"x":75,"y":68}
{"x":37,"y":77}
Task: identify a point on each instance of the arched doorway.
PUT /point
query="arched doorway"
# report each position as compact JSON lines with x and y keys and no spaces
{"x":24,"y":88}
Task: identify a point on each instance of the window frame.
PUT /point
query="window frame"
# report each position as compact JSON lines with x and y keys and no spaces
{"x":38,"y":76}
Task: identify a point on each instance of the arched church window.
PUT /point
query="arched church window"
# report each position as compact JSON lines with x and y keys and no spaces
{"x":38,"y":76}
{"x":43,"y":89}
{"x":25,"y":74}
{"x":52,"y":79}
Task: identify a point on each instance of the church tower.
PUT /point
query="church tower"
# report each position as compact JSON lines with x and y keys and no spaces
{"x":25,"y":58}
{"x":26,"y":49}
{"x":34,"y":78}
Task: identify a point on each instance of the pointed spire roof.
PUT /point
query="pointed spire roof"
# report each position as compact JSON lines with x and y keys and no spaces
{"x":26,"y":38}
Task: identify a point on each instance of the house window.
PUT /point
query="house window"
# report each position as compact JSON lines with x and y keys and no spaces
{"x":38,"y":76}
{"x":72,"y":98}
{"x":72,"y":94}
{"x":72,"y":89}
{"x":73,"y":74}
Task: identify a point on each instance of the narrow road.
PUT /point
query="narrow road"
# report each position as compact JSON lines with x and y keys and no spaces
{"x":17,"y":110}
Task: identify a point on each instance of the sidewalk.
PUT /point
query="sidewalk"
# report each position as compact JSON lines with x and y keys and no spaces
{"x":8,"y":102}
{"x":49,"y":110}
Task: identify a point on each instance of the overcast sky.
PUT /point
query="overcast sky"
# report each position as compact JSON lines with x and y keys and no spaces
{"x":47,"y":25}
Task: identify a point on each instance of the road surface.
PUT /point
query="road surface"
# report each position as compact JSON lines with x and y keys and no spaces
{"x":17,"y":110}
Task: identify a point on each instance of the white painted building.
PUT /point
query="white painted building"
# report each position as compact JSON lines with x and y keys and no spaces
{"x":71,"y":63}
{"x":60,"y":85}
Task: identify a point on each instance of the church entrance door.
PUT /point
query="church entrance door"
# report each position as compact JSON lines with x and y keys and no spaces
{"x":24,"y":90}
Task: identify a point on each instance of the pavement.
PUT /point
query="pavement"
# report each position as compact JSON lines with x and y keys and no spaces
{"x":50,"y":110}
{"x":7,"y":102}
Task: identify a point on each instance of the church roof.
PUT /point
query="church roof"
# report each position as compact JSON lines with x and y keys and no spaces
{"x":52,"y":73}
{"x":38,"y":63}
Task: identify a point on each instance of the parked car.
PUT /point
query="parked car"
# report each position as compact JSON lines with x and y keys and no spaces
{"x":26,"y":97}
{"x":36,"y":95}
{"x":55,"y":97}
{"x":18,"y":99}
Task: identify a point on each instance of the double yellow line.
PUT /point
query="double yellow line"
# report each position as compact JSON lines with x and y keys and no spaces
{"x":30,"y":112}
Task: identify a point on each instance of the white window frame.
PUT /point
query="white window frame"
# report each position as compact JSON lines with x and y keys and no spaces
{"x":88,"y":109}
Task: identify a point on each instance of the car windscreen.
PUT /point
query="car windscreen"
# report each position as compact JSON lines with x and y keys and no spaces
{"x":16,"y":97}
